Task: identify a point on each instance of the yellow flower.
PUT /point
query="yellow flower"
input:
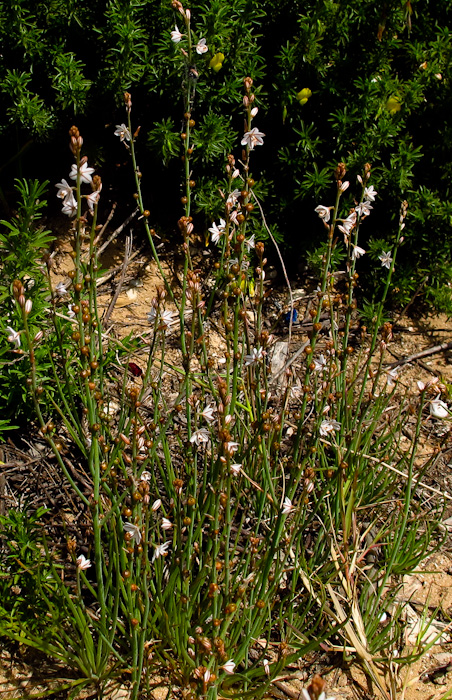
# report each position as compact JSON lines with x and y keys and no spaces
{"x":394,"y":104}
{"x":303,"y":96}
{"x":216,"y":62}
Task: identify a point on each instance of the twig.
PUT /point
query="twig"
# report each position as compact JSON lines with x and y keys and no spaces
{"x":292,"y":359}
{"x":85,"y":256}
{"x":281,"y":261}
{"x":121,"y":280}
{"x":286,"y":690}
{"x":413,"y":298}
{"x":116,"y":232}
{"x":109,"y":218}
{"x":424,"y":353}
{"x":111,"y":273}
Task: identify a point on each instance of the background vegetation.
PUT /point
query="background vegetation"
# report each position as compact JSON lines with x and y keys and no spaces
{"x":356,"y":81}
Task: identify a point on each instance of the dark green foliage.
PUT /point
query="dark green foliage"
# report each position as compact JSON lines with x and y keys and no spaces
{"x":379,"y":81}
{"x":22,"y":242}
{"x":24,"y":581}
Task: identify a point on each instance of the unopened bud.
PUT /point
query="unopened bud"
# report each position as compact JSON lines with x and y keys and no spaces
{"x":128,"y":101}
{"x":38,"y":336}
{"x":340,"y":171}
{"x":28,"y":306}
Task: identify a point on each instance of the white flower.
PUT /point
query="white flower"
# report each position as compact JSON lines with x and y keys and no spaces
{"x":287,"y":506}
{"x":391,"y":378}
{"x":357,"y":252}
{"x":64,"y":189}
{"x":85,"y":172}
{"x":176,"y":36}
{"x":254,"y":357}
{"x":200,"y":436}
{"x":167,"y":319}
{"x":69,"y":205}
{"x":364,"y":209}
{"x":207,"y":414}
{"x":370,"y":194}
{"x":216,"y":231}
{"x":439,"y":409}
{"x":70,"y":312}
{"x":236,"y":469}
{"x":92,"y":199}
{"x":145,"y":476}
{"x":385,"y":259}
{"x":14,"y":336}
{"x":305,"y":695}
{"x":201,"y":47}
{"x":252,"y":138}
{"x":60,"y":289}
{"x":229,"y":666}
{"x":166,"y":524}
{"x":134,"y":531}
{"x":231,"y":447}
{"x":250,"y":242}
{"x":348,"y":223}
{"x":123,"y":132}
{"x":152,"y":315}
{"x":83,"y":563}
{"x":160,"y":550}
{"x":323,"y":212}
{"x":327,"y":426}
{"x":320,"y":364}
{"x":232,"y":199}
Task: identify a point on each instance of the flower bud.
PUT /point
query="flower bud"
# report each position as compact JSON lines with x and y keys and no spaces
{"x":28,"y":306}
{"x":340,"y":171}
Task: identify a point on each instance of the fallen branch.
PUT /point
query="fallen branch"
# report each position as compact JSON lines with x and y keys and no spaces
{"x":125,"y":264}
{"x":424,"y":353}
{"x":116,"y":232}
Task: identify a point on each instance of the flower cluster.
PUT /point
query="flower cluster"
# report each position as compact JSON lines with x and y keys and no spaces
{"x":349,"y":223}
{"x":81,"y":173}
